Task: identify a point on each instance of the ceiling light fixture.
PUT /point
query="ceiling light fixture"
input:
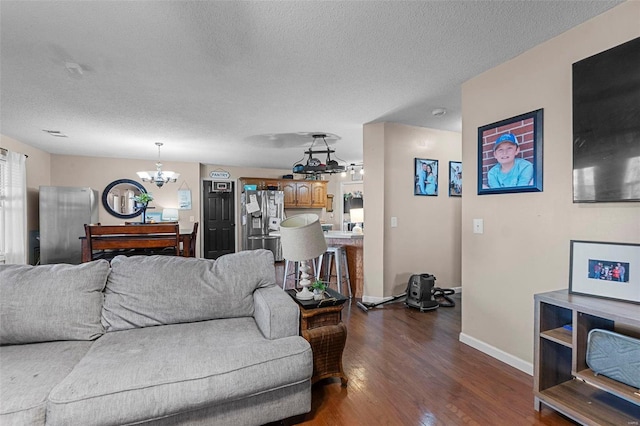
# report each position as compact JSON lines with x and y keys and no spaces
{"x":314,"y":166}
{"x":158,"y":177}
{"x":355,"y":169}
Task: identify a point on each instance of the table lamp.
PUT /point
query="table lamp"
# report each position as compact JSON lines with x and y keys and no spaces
{"x":170,"y":215}
{"x":302,"y":239}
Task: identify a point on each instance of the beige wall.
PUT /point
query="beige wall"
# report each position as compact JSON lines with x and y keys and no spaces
{"x":525,"y":246}
{"x":427,"y":238}
{"x":97,"y":173}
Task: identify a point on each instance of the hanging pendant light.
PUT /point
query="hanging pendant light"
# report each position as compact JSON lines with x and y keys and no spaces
{"x":314,"y":165}
{"x":158,"y":176}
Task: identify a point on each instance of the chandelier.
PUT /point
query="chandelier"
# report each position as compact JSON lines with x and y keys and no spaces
{"x":158,"y":176}
{"x":313,"y":165}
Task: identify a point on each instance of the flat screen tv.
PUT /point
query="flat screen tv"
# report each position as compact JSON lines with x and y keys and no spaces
{"x":606,"y":125}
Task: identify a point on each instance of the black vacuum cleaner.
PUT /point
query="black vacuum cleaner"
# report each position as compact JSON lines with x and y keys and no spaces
{"x":421,"y":294}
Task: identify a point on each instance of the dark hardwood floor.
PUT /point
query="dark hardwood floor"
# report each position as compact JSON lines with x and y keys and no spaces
{"x":407,"y":367}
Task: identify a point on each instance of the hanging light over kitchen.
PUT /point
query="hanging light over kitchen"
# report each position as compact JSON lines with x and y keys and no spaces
{"x":314,"y":165}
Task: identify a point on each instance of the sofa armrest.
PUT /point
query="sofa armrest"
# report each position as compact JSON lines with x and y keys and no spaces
{"x":276,"y":314}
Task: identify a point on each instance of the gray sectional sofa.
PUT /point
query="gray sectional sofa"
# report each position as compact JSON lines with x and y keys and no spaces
{"x":151,"y":340}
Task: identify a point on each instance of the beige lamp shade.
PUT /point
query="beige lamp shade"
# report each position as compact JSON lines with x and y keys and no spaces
{"x":301,"y":237}
{"x":357,"y":215}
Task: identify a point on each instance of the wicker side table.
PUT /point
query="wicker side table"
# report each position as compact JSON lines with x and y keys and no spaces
{"x":324,"y":330}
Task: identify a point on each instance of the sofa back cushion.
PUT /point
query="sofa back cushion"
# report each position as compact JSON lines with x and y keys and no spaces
{"x":144,"y":291}
{"x":51,"y":302}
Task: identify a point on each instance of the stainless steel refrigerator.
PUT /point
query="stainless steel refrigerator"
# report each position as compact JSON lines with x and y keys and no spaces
{"x":63,"y":213}
{"x":262,"y":211}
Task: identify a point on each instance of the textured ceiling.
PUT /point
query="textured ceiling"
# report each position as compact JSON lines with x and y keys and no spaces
{"x":246,"y":83}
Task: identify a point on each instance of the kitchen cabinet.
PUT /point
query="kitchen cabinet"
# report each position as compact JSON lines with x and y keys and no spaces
{"x":303,"y":194}
{"x":298,"y":194}
{"x":303,"y":197}
{"x":318,"y":194}
{"x":261,"y":183}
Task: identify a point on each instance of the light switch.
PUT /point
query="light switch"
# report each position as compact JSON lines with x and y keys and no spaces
{"x":394,"y":222}
{"x":478,"y":226}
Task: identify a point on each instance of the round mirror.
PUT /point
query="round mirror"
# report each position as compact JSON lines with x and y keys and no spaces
{"x":117,"y":198}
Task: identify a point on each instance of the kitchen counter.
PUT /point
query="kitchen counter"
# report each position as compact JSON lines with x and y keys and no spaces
{"x":342,"y":234}
{"x":331,"y":235}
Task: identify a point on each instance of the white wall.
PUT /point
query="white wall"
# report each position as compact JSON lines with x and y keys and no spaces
{"x":525,"y":246}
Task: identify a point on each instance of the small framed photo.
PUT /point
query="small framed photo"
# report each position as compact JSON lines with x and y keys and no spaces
{"x":455,"y":179}
{"x":608,"y":270}
{"x":425,"y":180}
{"x":153,"y":217}
{"x":510,"y":155}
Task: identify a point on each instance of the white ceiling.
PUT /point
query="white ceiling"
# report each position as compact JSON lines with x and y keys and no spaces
{"x":246,"y":83}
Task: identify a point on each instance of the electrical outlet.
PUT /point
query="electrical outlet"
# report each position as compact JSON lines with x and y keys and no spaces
{"x":394,"y":222}
{"x":478,"y":226}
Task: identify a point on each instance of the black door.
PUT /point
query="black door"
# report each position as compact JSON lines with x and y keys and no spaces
{"x":219,"y":219}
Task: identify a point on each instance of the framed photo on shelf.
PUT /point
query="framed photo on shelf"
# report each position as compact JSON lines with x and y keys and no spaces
{"x":608,"y":270}
{"x":510,"y":155}
{"x":425,"y":180}
{"x":455,"y":179}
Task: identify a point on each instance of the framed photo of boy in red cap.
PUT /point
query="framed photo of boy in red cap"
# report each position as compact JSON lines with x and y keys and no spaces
{"x":510,"y":155}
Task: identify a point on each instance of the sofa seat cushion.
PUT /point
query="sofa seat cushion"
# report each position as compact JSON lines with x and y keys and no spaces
{"x":29,"y":372}
{"x":154,"y":372}
{"x":144,"y":291}
{"x":51,"y":302}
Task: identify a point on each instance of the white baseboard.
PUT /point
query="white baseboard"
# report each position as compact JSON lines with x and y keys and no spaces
{"x":498,"y":354}
{"x":370,"y":299}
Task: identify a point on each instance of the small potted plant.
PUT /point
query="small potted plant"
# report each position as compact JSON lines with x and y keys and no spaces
{"x":143,"y":199}
{"x":318,"y":288}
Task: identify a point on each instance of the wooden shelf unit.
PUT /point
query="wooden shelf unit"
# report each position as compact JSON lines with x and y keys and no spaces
{"x":562,"y":378}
